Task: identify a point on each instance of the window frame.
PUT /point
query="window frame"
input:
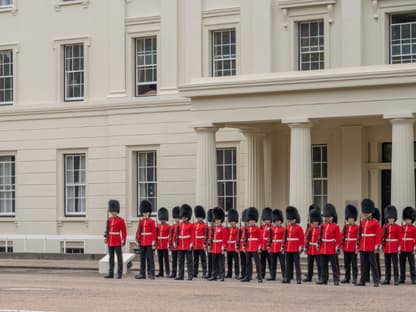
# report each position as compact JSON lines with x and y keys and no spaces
{"x":14,"y":47}
{"x":11,"y":77}
{"x":222,"y":58}
{"x":390,"y":39}
{"x":299,"y":38}
{"x":10,"y":8}
{"x":59,"y":4}
{"x":138,"y":181}
{"x":136,"y":66}
{"x":235,"y":170}
{"x":66,"y":72}
{"x":323,"y":196}
{"x":11,"y":214}
{"x":84,"y":185}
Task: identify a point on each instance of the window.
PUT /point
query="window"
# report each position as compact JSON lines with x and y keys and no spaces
{"x":223,"y":53}
{"x":311,"y":45}
{"x":386,"y":152}
{"x":147,"y":178}
{"x":227,"y":178}
{"x":7,"y":186}
{"x":6,"y":4}
{"x":320,"y":174}
{"x":75,"y":185}
{"x":6,"y":246}
{"x":72,"y":247}
{"x":403,"y":38}
{"x":146,"y":66}
{"x":74,"y":72}
{"x":6,"y":77}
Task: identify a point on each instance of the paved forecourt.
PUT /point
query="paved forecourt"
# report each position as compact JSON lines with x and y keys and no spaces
{"x":48,"y":290}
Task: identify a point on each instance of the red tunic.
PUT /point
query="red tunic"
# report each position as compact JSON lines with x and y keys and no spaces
{"x":266,"y":231}
{"x":350,"y":238}
{"x":312,"y":237}
{"x":186,"y":235}
{"x":370,"y":235}
{"x":232,"y":237}
{"x":330,"y":238}
{"x":163,"y":233}
{"x":278,"y":233}
{"x":408,"y":238}
{"x":172,"y":237}
{"x":392,"y":238}
{"x":200,"y":235}
{"x":242,"y":239}
{"x":254,"y":236}
{"x":295,"y":238}
{"x":117,"y":232}
{"x":219,"y":240}
{"x":146,"y":232}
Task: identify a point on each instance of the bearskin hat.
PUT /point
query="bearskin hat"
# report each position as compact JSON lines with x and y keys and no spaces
{"x":409,"y":213}
{"x":163,"y":214}
{"x":266,"y":214}
{"x":315,"y":215}
{"x":277,"y":215}
{"x":219,"y":214}
{"x":199,"y":212}
{"x":390,"y":212}
{"x":175,"y":212}
{"x":210,"y":217}
{"x":244,"y":216}
{"x":314,"y":206}
{"x":376,"y":214}
{"x":351,"y":212}
{"x":292,"y":213}
{"x":252,"y":214}
{"x":330,"y":211}
{"x":145,"y":206}
{"x":113,"y":206}
{"x":367,"y":206}
{"x":232,"y":215}
{"x":185,"y":212}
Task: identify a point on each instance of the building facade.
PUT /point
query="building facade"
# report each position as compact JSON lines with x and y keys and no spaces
{"x":216,"y":102}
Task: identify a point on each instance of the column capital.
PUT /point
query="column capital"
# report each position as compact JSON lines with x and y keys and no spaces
{"x":296,"y":121}
{"x":396,"y":121}
{"x":204,"y":126}
{"x":300,"y":125}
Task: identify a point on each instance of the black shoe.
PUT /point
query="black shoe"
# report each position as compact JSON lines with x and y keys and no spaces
{"x":172,"y":276}
{"x":119,"y":276}
{"x":240,"y":277}
{"x":221,"y":279}
{"x":229,"y":276}
{"x":245,"y":280}
{"x":401,"y":281}
{"x":151,"y":277}
{"x":195,"y":275}
{"x":271,"y":279}
{"x":285,"y":281}
{"x":212,"y":278}
{"x":354,"y":282}
{"x":376,"y":284}
{"x":336,"y":283}
{"x":385,"y":282}
{"x":178,"y":278}
{"x":140,"y":276}
{"x":345,"y":281}
{"x":298,"y":282}
{"x":159,"y":275}
{"x":321,"y":283}
{"x":307,"y":280}
{"x":360,"y":284}
{"x":109,"y":276}
{"x":190,"y":278}
{"x":259,"y":281}
{"x":413,"y":282}
{"x":208,"y":276}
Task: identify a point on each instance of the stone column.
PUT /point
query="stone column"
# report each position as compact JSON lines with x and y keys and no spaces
{"x":206,"y":171}
{"x":403,"y":164}
{"x":255,"y":169}
{"x":300,"y":191}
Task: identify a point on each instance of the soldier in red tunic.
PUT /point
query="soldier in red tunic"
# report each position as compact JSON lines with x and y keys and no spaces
{"x":172,"y":240}
{"x":294,"y":242}
{"x":241,"y":242}
{"x":185,"y":232}
{"x":276,"y":245}
{"x":252,"y":237}
{"x":369,"y":243}
{"x":349,"y":244}
{"x":218,"y":243}
{"x":329,"y":243}
{"x":311,"y":242}
{"x":232,"y":244}
{"x":266,"y":216}
{"x":115,"y":237}
{"x":391,"y":241}
{"x":200,"y":233}
{"x":146,"y":240}
{"x":162,"y":237}
{"x":408,"y":247}
{"x":210,"y":224}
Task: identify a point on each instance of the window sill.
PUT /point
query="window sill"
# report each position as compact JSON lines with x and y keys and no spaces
{"x":11,"y":9}
{"x":59,"y":4}
{"x":73,"y":219}
{"x":8,"y":219}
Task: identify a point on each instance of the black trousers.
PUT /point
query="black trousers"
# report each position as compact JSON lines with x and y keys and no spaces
{"x":243,"y":260}
{"x":325,"y":259}
{"x":350,"y":262}
{"x":293,"y":259}
{"x":388,"y":259}
{"x":200,"y":254}
{"x":311,"y":260}
{"x":146,"y":259}
{"x":181,"y":258}
{"x":265,"y":259}
{"x":117,"y":250}
{"x":411,"y":259}
{"x":232,"y":256}
{"x":217,"y":265}
{"x":273,"y":264}
{"x":174,"y":262}
{"x":367,"y":261}
{"x":249,"y":265}
{"x":209,"y":264}
{"x":163,"y":258}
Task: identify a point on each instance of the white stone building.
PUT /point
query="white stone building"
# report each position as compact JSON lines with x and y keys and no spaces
{"x":127,"y":99}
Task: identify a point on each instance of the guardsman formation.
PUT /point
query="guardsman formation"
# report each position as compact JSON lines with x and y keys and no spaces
{"x":229,"y":251}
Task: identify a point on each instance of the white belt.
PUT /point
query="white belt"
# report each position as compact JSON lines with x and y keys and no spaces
{"x":313,"y":244}
{"x":391,"y":240}
{"x":293,"y":239}
{"x":368,"y":235}
{"x":277,"y":241}
{"x":265,"y":238}
{"x":199,"y":237}
{"x":351,"y":239}
{"x":253,"y":239}
{"x":408,"y":239}
{"x":217,"y":241}
{"x":146,"y":234}
{"x":329,"y":240}
{"x":114,"y":233}
{"x":163,"y":237}
{"x":231,"y":242}
{"x":184,"y":236}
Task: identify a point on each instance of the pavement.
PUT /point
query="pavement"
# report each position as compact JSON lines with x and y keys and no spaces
{"x":83,"y":290}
